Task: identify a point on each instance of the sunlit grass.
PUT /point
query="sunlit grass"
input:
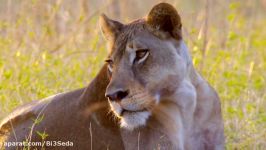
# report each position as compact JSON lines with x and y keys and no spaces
{"x":45,"y":53}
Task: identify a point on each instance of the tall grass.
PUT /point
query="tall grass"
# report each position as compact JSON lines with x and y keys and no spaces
{"x":52,"y":46}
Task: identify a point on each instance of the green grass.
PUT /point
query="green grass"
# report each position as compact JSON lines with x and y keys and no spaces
{"x":44,"y":53}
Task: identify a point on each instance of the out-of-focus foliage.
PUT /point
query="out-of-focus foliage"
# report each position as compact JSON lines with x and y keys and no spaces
{"x":52,"y":46}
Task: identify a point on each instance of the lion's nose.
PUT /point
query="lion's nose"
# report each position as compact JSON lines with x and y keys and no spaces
{"x":117,"y":96}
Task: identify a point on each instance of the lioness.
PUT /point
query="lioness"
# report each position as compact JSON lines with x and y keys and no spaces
{"x":147,"y":96}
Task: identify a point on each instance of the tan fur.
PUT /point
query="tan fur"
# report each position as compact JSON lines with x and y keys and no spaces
{"x":185,"y":107}
{"x":81,"y":116}
{"x":170,"y":106}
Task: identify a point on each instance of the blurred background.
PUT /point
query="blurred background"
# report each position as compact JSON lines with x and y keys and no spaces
{"x":53,"y":46}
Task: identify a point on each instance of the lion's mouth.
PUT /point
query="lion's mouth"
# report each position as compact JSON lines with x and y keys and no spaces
{"x":125,"y":111}
{"x":130,"y":117}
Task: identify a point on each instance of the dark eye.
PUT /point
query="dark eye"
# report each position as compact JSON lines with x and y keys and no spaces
{"x":141,"y":55}
{"x":109,"y":64}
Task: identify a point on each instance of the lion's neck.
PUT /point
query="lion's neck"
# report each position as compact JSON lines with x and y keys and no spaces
{"x":176,"y":111}
{"x":150,"y":136}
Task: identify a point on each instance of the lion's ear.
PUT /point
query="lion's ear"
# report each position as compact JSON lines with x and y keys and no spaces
{"x":110,"y":28}
{"x":164,"y":17}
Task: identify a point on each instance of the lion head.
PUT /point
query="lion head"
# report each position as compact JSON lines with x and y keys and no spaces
{"x":146,"y":62}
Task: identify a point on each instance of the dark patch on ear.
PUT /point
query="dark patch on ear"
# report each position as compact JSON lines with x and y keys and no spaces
{"x":110,"y":28}
{"x":164,"y":17}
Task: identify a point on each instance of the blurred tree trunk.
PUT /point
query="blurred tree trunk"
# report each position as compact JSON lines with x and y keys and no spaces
{"x":114,"y":9}
{"x":263,"y":3}
{"x":205,"y":33}
{"x":224,"y":24}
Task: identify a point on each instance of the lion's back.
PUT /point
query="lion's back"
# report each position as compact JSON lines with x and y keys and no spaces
{"x":30,"y":120}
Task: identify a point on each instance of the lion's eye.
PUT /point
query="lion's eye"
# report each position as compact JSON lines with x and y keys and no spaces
{"x":141,"y":55}
{"x":109,"y":64}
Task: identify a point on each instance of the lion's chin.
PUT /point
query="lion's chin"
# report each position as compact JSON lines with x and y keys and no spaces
{"x":132,"y":120}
